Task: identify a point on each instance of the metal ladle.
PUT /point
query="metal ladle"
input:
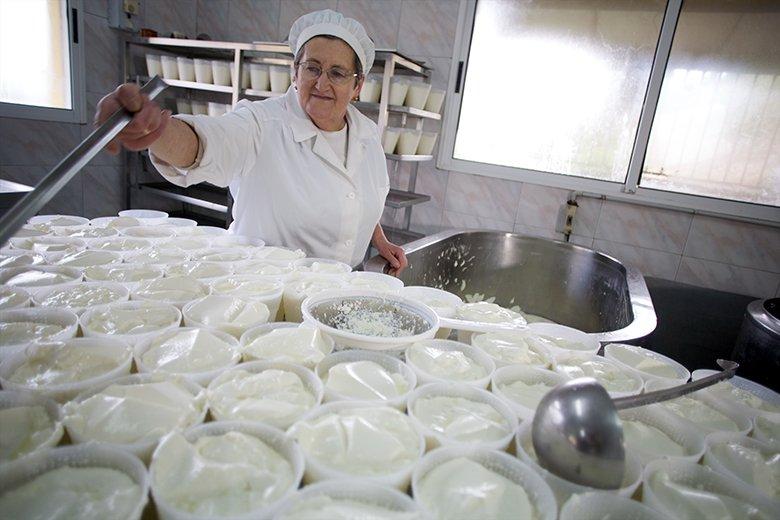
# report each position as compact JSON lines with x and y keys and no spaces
{"x":577,"y":433}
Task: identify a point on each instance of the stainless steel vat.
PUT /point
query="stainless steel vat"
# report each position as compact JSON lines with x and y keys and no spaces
{"x":565,"y":283}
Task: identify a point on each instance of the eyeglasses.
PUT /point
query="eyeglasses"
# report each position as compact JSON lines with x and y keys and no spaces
{"x":311,"y":71}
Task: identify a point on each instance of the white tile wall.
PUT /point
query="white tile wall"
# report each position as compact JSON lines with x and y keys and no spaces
{"x":643,"y":226}
{"x":452,"y":220}
{"x":485,"y":197}
{"x":649,"y":261}
{"x":727,"y":277}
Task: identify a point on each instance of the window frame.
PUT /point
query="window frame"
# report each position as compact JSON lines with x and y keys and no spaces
{"x":628,"y":191}
{"x":78,"y":112}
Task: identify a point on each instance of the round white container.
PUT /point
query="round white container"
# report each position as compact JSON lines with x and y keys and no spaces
{"x":19,"y":472}
{"x":527,"y":374}
{"x":317,"y":471}
{"x":170,"y":312}
{"x":54,"y":221}
{"x":372,"y":89}
{"x":19,"y":398}
{"x":142,"y":449}
{"x":408,"y":141}
{"x":691,"y":440}
{"x":119,"y":292}
{"x":310,"y":381}
{"x":170,"y":67}
{"x":470,"y":352}
{"x":434,"y":439}
{"x":154,"y":65}
{"x":203,"y":72}
{"x":320,"y":266}
{"x":354,"y":490}
{"x":255,"y":332}
{"x":244,"y":76}
{"x":629,"y":355}
{"x":766,"y":430}
{"x":542,"y":357}
{"x":216,"y":109}
{"x":199,"y":108}
{"x":362,"y":341}
{"x":435,"y":100}
{"x":20,"y":258}
{"x":427,"y":142}
{"x":259,"y":77}
{"x":14,"y":298}
{"x":60,"y":317}
{"x":399,"y":86}
{"x":89,"y":258}
{"x":573,"y":339}
{"x":298,"y":288}
{"x":417,"y":95}
{"x":576,"y":359}
{"x":714,"y":461}
{"x":28,"y":230}
{"x":186,"y":69}
{"x":220,"y":71}
{"x":280,"y":78}
{"x":129,"y":275}
{"x":390,"y":139}
{"x":598,"y":505}
{"x":539,"y":493}
{"x":389,"y":363}
{"x":183,"y":106}
{"x":704,"y":479}
{"x":147,"y":217}
{"x":564,"y":489}
{"x":374,"y":281}
{"x":202,"y":378}
{"x":252,"y":287}
{"x":66,"y":276}
{"x":765,"y":394}
{"x":194,"y":314}
{"x":176,"y":290}
{"x":442,"y":302}
{"x":274,"y":438}
{"x":63,"y":392}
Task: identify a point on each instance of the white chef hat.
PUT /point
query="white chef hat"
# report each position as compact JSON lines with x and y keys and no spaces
{"x":328,"y":22}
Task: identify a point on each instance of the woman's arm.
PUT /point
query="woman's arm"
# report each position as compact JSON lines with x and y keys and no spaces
{"x":389,"y":251}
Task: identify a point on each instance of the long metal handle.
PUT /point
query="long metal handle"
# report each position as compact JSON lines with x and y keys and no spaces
{"x":729,"y":369}
{"x":56,"y":179}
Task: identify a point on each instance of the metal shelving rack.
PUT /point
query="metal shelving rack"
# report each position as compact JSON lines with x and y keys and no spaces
{"x":217,"y":199}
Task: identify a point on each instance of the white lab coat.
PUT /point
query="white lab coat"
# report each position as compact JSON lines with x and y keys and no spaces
{"x":288,"y":186}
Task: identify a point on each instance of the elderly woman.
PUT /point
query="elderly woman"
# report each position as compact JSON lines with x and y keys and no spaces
{"x":306,"y":169}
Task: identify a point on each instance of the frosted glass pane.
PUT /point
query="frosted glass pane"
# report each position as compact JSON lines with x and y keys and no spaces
{"x":34,"y":53}
{"x":716,"y":130}
{"x":557,"y":86}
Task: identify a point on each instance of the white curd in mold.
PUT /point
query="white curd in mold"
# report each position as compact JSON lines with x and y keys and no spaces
{"x":324,"y":507}
{"x":82,"y":296}
{"x":702,"y":415}
{"x":512,"y":347}
{"x":220,"y":475}
{"x":526,"y":394}
{"x":365,"y":380}
{"x":24,"y":429}
{"x":448,"y":364}
{"x":68,"y":362}
{"x":461,"y":419}
{"x":483,"y":312}
{"x":188,"y":351}
{"x":640,"y":436}
{"x":760,"y":469}
{"x":73,"y":492}
{"x":302,"y":345}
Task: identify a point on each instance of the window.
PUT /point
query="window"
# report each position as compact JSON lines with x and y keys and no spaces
{"x":716,"y":130}
{"x":672,"y":102}
{"x":40,"y":60}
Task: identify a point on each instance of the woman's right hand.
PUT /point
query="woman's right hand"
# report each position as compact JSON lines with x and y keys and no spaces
{"x":148,"y":123}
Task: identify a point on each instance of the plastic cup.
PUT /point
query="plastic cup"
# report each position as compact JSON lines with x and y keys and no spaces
{"x":598,"y":505}
{"x":66,"y":320}
{"x":398,"y":89}
{"x":216,"y":109}
{"x":435,"y":100}
{"x":631,"y":357}
{"x":68,"y":295}
{"x":259,"y":77}
{"x":244,"y":76}
{"x":417,"y":94}
{"x":203,"y":72}
{"x":220,"y":71}
{"x":154,"y":65}
{"x":390,"y":139}
{"x":18,"y":399}
{"x":472,"y":353}
{"x":280,"y":78}
{"x":170,"y":67}
{"x":372,"y":89}
{"x":225,"y":313}
{"x":527,"y":374}
{"x":408,"y":141}
{"x":199,"y":108}
{"x":427,"y":142}
{"x":186,"y":69}
{"x":91,"y":318}
{"x":691,"y":440}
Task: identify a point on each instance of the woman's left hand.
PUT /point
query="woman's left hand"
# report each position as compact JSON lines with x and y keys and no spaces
{"x":393,"y":254}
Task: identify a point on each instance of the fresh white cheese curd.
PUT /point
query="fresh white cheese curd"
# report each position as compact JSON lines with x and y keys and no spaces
{"x":766,"y":429}
{"x":365,"y":380}
{"x":442,"y":302}
{"x":198,"y":270}
{"x":700,"y":414}
{"x":320,"y":266}
{"x":157,"y":256}
{"x":19,"y":327}
{"x":33,"y":277}
{"x":226,"y":313}
{"x":461,"y":419}
{"x":301,"y":345}
{"x":221,"y":475}
{"x":86,"y":232}
{"x":188,"y":351}
{"x":188,"y":244}
{"x":247,"y":286}
{"x":121,"y":244}
{"x":38,"y":230}
{"x":123,"y":273}
{"x":301,"y":288}
{"x":685,"y":499}
{"x":565,"y":339}
{"x":262,"y":268}
{"x":131,"y":320}
{"x":58,"y":220}
{"x":514,"y":347}
{"x":358,"y":440}
{"x":373,"y":281}
{"x":647,"y":362}
{"x":114,"y":222}
{"x":133,"y":410}
{"x":651,"y":441}
{"x":150,"y":232}
{"x":82,"y":296}
{"x":445,"y":363}
{"x":54,"y":246}
{"x":278,"y":254}
{"x":610,"y":375}
{"x":19,"y":258}
{"x":755,"y":463}
{"x":73,"y":492}
{"x":26,"y":428}
{"x":224,"y":255}
{"x":275,"y":396}
{"x":526,"y":394}
{"x":13,"y":298}
{"x":728,"y":391}
{"x":17,"y":332}
{"x":68,"y":362}
{"x":176,"y":290}
{"x":483,"y":312}
{"x":463,"y":488}
{"x":89,"y":258}
{"x":324,"y":507}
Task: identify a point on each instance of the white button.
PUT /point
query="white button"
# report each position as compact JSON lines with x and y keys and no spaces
{"x":351,"y":195}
